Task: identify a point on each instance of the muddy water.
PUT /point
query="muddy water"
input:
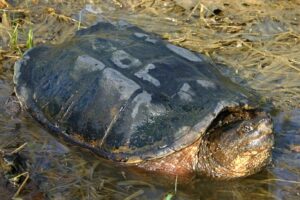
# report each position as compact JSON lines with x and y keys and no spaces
{"x":59,"y":170}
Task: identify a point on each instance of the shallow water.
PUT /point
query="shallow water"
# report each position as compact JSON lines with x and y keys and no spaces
{"x":66,"y":172}
{"x":63,"y":171}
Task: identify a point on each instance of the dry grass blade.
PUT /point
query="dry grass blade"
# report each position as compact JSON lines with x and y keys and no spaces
{"x":269,"y":54}
{"x":62,"y":18}
{"x":135,"y":195}
{"x":280,"y":180}
{"x":20,"y":148}
{"x":67,"y":185}
{"x":3,"y":4}
{"x":117,"y":3}
{"x":193,"y":10}
{"x":5,"y":21}
{"x":26,"y":174}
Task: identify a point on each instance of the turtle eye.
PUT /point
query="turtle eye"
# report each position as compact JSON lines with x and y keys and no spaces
{"x":247,"y":127}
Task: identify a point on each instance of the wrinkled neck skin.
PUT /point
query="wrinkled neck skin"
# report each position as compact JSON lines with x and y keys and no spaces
{"x":238,"y":146}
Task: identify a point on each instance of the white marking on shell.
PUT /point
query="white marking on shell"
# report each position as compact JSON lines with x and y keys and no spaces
{"x":98,"y":46}
{"x":115,"y":80}
{"x":120,"y":55}
{"x":186,"y":93}
{"x":140,"y":35}
{"x":87,"y":63}
{"x":148,"y":38}
{"x":145,"y":98}
{"x":184,"y":53}
{"x":143,"y":101}
{"x":144,"y":74}
{"x":151,"y":40}
{"x":206,"y":84}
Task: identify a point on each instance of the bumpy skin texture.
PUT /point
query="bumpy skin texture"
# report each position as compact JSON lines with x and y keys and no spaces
{"x":124,"y":93}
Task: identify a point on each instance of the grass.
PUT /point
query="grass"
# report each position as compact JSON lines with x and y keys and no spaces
{"x":14,"y":36}
{"x":29,"y":41}
{"x":19,"y":40}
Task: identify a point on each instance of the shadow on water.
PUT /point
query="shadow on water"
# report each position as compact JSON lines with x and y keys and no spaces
{"x":61,"y":171}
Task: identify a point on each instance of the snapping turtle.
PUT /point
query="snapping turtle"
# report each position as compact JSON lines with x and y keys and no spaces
{"x":131,"y":97}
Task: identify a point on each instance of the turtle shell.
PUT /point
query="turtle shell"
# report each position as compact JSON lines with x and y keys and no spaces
{"x":122,"y":92}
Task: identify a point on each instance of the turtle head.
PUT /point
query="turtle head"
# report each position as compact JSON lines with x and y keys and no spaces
{"x":237,"y":144}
